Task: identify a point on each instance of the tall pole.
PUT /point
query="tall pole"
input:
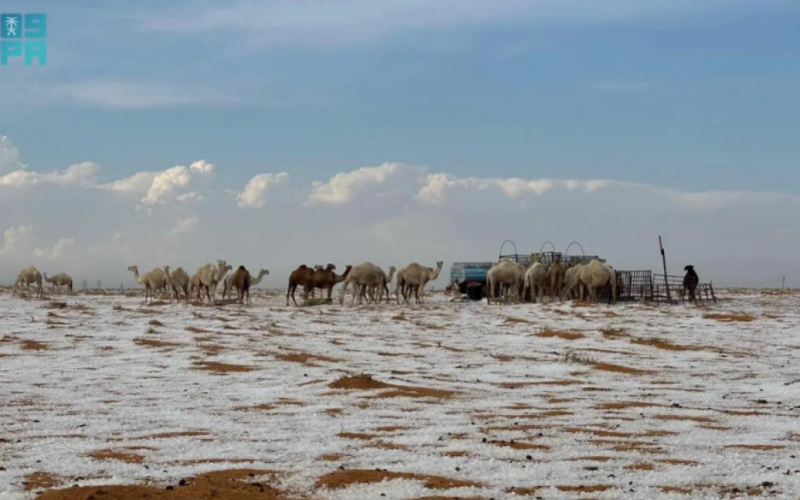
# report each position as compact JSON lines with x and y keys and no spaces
{"x":664,"y":260}
{"x":783,"y":284}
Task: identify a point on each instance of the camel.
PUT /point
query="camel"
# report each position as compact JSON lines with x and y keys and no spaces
{"x":227,"y":285}
{"x":366,"y":276}
{"x":208,"y":277}
{"x":384,"y":286}
{"x":555,"y":279}
{"x":571,"y":276}
{"x":176,"y":281}
{"x":27,"y":276}
{"x":241,"y":282}
{"x":59,"y":280}
{"x":510,"y":276}
{"x":415,"y":277}
{"x":300,"y":276}
{"x":326,"y":279}
{"x":535,"y":281}
{"x":595,"y":275}
{"x":154,"y":280}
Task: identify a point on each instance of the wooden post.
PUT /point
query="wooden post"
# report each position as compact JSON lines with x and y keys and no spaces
{"x":664,"y":260}
{"x":783,"y":284}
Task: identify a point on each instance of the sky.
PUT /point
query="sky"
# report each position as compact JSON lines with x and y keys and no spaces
{"x":280,"y":132}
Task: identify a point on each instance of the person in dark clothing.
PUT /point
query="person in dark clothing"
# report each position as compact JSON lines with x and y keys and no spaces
{"x":690,"y":282}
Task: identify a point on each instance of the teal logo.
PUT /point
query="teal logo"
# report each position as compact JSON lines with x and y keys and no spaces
{"x":23,"y":37}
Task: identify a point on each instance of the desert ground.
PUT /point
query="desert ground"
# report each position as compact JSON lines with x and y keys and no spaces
{"x":104,"y":397}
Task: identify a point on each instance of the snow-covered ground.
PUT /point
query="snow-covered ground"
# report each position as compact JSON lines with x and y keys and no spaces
{"x":551,"y":401}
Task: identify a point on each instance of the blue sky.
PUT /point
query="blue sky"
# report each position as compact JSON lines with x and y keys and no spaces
{"x":685,"y":97}
{"x":682,"y":97}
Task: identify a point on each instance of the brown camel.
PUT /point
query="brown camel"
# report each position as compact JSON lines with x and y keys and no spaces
{"x":241,"y":282}
{"x":326,"y":279}
{"x":300,"y":276}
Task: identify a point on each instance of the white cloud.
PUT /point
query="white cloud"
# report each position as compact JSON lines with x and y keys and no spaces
{"x":185,"y":225}
{"x":344,"y":187}
{"x":9,"y":154}
{"x":133,"y":94}
{"x":58,"y":250}
{"x":323,"y":23}
{"x":80,"y":174}
{"x":255,"y":192}
{"x":201,"y":167}
{"x":16,"y":238}
{"x":137,"y":183}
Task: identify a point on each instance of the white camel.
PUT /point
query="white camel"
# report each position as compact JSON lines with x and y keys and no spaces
{"x":153,"y":281}
{"x":571,"y":281}
{"x":208,"y":277}
{"x":227,"y":285}
{"x":509,"y":276}
{"x":59,"y":280}
{"x":415,"y":277}
{"x":536,"y":281}
{"x":177,"y":281}
{"x":595,"y":275}
{"x":27,"y":276}
{"x":377,"y":290}
{"x":360,"y":276}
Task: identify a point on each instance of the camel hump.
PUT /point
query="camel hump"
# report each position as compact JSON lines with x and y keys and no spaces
{"x":241,"y":268}
{"x":303,"y":266}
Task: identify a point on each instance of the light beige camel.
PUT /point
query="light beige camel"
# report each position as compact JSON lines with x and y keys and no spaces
{"x":555,"y":279}
{"x":177,"y":281}
{"x":536,"y":281}
{"x":227,"y":285}
{"x":153,"y":281}
{"x":27,"y":276}
{"x":59,"y":280}
{"x":596,"y":275}
{"x":509,"y":276}
{"x":415,"y":277}
{"x":571,"y":282}
{"x":383,"y":287}
{"x":208,"y":277}
{"x":359,"y":276}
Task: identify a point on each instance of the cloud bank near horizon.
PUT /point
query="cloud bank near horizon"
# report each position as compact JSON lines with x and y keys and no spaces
{"x":390,"y":214}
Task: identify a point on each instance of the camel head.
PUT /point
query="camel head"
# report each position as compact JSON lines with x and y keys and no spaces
{"x":166,"y":270}
{"x":263,"y":272}
{"x":439,"y":264}
{"x":392,"y":269}
{"x":330,"y":267}
{"x":318,"y":268}
{"x":688,"y":268}
{"x":133,"y":269}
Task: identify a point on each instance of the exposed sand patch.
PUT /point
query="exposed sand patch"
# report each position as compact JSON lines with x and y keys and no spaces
{"x":41,"y":480}
{"x":155,"y":343}
{"x":216,"y":367}
{"x":344,"y":478}
{"x":609,"y":367}
{"x":665,"y":344}
{"x":366,"y":383}
{"x":122,"y":455}
{"x":560,"y":334}
{"x":32,"y":345}
{"x":730,"y":317}
{"x":239,"y":484}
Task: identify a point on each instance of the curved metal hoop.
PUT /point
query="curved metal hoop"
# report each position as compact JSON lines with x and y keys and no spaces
{"x":541,"y":248}
{"x":566,"y":252}
{"x":504,"y":244}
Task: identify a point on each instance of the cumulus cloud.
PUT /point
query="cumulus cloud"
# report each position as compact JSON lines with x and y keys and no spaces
{"x":255,"y":192}
{"x":80,"y":174}
{"x":16,"y":238}
{"x":57,"y":251}
{"x":9,"y":154}
{"x":344,"y":187}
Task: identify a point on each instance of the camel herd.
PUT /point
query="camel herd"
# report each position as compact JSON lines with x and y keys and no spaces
{"x":369,"y":282}
{"x":513,"y":281}
{"x":206,"y":279}
{"x":508,"y":280}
